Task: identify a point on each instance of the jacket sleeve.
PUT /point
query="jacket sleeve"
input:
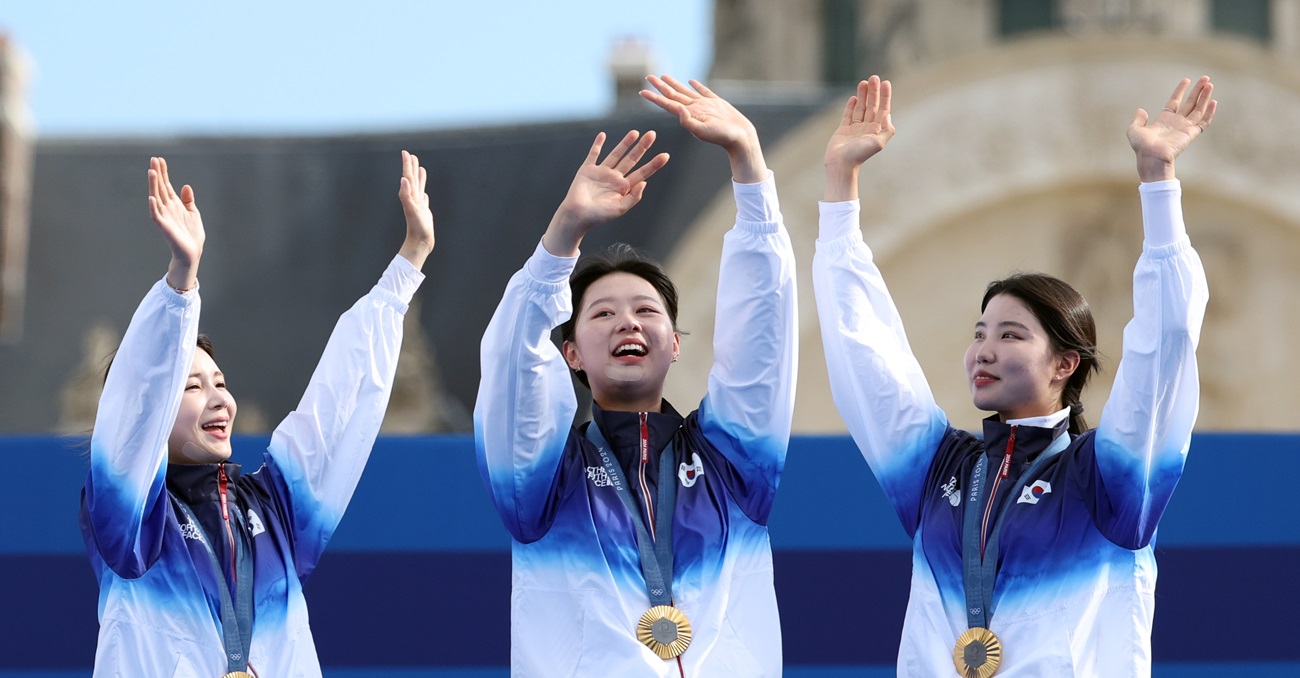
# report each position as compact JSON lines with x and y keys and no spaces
{"x":1146,"y":425}
{"x":876,"y":382}
{"x":124,"y":504}
{"x":747,"y":411}
{"x":525,"y":406}
{"x":319,"y":451}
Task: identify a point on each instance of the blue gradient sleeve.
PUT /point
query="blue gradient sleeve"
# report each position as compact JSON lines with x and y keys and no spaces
{"x":322,"y":447}
{"x":747,"y":411}
{"x":123,"y":505}
{"x":1146,"y":425}
{"x":876,"y":381}
{"x":525,"y":404}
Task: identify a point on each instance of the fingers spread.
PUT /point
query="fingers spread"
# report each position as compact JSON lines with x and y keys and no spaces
{"x":647,"y":170}
{"x":847,"y":118}
{"x":664,"y":102}
{"x":679,"y":91}
{"x":594,"y":151}
{"x":624,"y":144}
{"x":699,"y":87}
{"x":634,"y":155}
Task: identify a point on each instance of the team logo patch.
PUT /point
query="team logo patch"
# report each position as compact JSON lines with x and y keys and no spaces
{"x":1032,"y":493}
{"x":689,"y":474}
{"x":950,"y":491}
{"x":255,"y":526}
{"x":599,"y":476}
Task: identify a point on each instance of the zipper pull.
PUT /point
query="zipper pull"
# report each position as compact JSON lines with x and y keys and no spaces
{"x":1006,"y":460}
{"x":645,"y":437}
{"x":221,"y":484}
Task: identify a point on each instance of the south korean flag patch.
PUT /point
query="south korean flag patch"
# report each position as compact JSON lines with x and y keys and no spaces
{"x":1032,"y":493}
{"x":688,"y":474}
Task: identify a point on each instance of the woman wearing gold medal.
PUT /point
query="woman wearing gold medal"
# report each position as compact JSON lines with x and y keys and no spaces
{"x":200,"y":566}
{"x":1032,"y":548}
{"x":640,"y":539}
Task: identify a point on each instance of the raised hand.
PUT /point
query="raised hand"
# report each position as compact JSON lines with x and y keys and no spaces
{"x":710,"y":118}
{"x":415,"y":205}
{"x":1159,"y":142}
{"x":602,"y":191}
{"x":864,"y":130}
{"x":178,"y":218}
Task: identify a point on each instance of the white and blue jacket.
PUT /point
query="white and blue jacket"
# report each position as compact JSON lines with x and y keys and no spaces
{"x":159,"y":604}
{"x":578,"y":589}
{"x":1075,"y":584}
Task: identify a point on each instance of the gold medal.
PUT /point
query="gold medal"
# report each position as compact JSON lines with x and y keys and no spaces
{"x":665,"y":630}
{"x":978,"y":653}
{"x":238,"y":674}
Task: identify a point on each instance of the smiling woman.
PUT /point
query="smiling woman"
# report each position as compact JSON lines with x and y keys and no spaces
{"x":174,"y":532}
{"x":640,"y":538}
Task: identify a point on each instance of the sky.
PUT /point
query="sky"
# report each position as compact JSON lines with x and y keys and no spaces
{"x":147,"y":68}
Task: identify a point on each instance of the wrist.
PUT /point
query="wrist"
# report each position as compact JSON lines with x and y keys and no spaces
{"x":564,"y":234}
{"x":747,"y":163}
{"x":1153,"y":169}
{"x":841,"y":182}
{"x":182,"y":276}
{"x":416,"y":250}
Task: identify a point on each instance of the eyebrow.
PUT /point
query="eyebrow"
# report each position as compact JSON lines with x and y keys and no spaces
{"x":609,"y":300}
{"x":1005,"y":323}
{"x":196,"y":375}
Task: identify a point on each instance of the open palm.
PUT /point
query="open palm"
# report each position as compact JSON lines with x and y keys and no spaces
{"x":1183,"y":118}
{"x":177,"y":216}
{"x":865,"y":127}
{"x":606,"y":190}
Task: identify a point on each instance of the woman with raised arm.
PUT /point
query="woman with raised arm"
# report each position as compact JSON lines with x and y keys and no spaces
{"x":1032,"y":547}
{"x":200,"y":566}
{"x":640,"y":539}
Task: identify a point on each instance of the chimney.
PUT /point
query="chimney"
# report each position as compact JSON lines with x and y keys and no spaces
{"x":630,"y":60}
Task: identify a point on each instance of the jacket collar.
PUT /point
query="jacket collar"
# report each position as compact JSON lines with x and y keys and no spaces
{"x":623,"y":430}
{"x":197,"y":483}
{"x":1030,"y":440}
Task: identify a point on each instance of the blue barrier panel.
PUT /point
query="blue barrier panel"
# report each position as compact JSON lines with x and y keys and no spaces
{"x":1228,"y":550}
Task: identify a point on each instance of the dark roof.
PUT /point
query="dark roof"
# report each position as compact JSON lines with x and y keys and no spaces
{"x":298,"y":228}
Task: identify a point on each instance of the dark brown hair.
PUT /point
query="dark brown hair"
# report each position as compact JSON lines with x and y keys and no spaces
{"x":618,"y":258}
{"x":1065,"y":315}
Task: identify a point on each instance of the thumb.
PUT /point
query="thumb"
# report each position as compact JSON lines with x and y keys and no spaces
{"x":187,"y":197}
{"x":1140,"y":118}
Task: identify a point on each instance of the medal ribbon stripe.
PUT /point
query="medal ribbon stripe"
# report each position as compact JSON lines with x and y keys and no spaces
{"x":656,"y":554}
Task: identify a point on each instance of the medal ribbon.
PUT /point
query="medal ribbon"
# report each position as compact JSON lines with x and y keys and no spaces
{"x":980,"y":555}
{"x":236,"y":614}
{"x":656,"y":552}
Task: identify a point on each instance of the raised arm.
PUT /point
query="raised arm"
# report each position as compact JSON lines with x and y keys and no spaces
{"x":525,"y":405}
{"x":747,"y":411}
{"x":123,"y":505}
{"x":1146,"y":425}
{"x":321,"y":448}
{"x":875,"y":380}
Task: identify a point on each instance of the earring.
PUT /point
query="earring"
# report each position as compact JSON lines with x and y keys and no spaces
{"x":674,"y":358}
